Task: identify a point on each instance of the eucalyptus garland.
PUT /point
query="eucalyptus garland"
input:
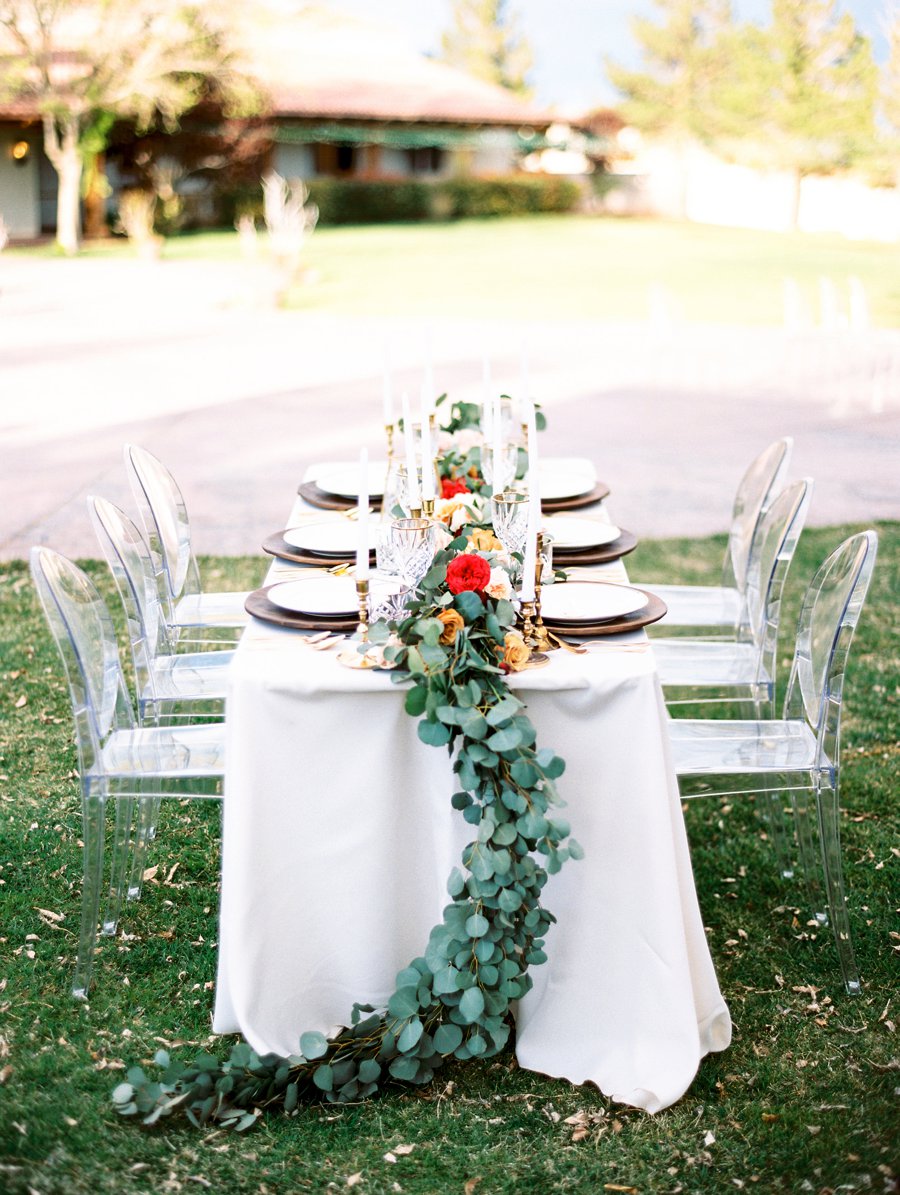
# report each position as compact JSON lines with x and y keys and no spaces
{"x":453,"y":649}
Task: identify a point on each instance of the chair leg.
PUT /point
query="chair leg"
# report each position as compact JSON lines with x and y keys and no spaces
{"x":777,"y":819}
{"x":121,"y":852}
{"x":93,"y":830}
{"x":828,"y":806}
{"x":779,"y":826}
{"x":145,"y":831}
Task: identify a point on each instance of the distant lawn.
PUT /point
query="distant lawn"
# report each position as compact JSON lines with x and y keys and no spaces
{"x":570,"y":267}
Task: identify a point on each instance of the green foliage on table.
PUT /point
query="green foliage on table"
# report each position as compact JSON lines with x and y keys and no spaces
{"x":454,"y":1000}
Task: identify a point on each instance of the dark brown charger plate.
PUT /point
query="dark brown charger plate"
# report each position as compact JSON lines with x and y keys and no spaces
{"x":652,"y":612}
{"x":259,"y":606}
{"x":554,"y":505}
{"x":311,"y":493}
{"x":277,"y":545}
{"x":601,"y":554}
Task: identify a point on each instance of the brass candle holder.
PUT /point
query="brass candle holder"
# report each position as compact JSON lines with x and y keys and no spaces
{"x":362,"y":595}
{"x":428,"y":508}
{"x":542,"y":639}
{"x":389,"y":433}
{"x":527,"y":616}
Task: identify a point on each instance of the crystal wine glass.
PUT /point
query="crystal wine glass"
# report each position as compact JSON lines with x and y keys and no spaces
{"x":412,"y":549}
{"x":509,"y":514}
{"x":500,"y":474}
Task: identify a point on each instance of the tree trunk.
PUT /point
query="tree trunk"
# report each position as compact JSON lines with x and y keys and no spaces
{"x":796,"y":186}
{"x":62,"y":149}
{"x":96,"y":190}
{"x":682,"y":168}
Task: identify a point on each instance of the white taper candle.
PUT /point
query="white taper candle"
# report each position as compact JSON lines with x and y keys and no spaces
{"x":428,"y":490}
{"x":534,"y":508}
{"x":412,"y":477}
{"x":362,"y":518}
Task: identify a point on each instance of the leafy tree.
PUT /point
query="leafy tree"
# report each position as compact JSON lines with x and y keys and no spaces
{"x":675,"y":95}
{"x":889,"y":106}
{"x":806,"y":87}
{"x":484,"y":41}
{"x":81,"y":61}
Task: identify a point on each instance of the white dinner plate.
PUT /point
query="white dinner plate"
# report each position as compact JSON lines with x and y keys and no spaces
{"x":568,"y":532}
{"x":557,"y":483}
{"x":344,"y":483}
{"x":316,"y":595}
{"x":330,"y":537}
{"x":590,"y":601}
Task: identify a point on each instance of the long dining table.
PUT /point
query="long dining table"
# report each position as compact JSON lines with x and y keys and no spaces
{"x":339,"y":838}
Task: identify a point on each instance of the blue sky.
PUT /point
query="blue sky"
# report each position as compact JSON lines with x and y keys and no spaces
{"x":571,"y":38}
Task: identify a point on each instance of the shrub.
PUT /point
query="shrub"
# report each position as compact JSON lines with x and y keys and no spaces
{"x":357,"y":201}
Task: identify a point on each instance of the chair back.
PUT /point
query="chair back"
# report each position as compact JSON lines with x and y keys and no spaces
{"x":828,"y":618}
{"x":776,"y":541}
{"x":758,"y":486}
{"x":166,"y":523}
{"x":131,"y":565}
{"x":85,"y":637}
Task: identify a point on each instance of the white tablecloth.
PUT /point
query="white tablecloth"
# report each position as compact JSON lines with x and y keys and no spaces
{"x":339,"y":837}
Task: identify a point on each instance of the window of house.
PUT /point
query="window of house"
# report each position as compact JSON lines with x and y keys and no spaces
{"x":427,"y":159}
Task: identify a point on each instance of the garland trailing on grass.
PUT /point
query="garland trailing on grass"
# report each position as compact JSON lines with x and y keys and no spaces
{"x":455,"y":647}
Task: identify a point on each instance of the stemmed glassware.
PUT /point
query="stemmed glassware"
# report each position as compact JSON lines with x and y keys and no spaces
{"x":509,"y":515}
{"x":412,"y":549}
{"x":499,"y":476}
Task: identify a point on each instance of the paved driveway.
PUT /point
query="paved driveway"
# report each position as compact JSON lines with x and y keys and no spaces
{"x":237,"y":399}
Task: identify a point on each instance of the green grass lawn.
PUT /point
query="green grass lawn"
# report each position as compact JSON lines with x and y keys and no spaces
{"x":566,"y":267}
{"x":805,"y":1098}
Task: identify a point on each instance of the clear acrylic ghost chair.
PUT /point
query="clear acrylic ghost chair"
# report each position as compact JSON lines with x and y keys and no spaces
{"x":800,"y":752}
{"x":697,"y":671}
{"x":119,"y":762}
{"x":169,"y":686}
{"x":190,"y":612}
{"x":742,"y":674}
{"x":723,"y":606}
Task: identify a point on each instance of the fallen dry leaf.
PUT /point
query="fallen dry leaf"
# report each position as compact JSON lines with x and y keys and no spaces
{"x":353,"y":1179}
{"x":471,"y":1184}
{"x":403,"y":1151}
{"x":23,"y":700}
{"x":150,"y":872}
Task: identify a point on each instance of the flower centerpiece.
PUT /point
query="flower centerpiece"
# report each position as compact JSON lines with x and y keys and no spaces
{"x":452,"y":649}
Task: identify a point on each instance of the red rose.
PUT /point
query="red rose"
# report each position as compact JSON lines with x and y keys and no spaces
{"x":467,"y":571}
{"x":451,"y":486}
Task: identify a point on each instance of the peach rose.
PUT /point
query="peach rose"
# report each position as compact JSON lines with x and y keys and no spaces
{"x":483,"y":540}
{"x":516,"y":651}
{"x":499,"y":585}
{"x":453,"y":623}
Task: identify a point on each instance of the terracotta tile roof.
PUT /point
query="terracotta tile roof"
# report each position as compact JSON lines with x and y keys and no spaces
{"x":315,"y":63}
{"x":319,"y":63}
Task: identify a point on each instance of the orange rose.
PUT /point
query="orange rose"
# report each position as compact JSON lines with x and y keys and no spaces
{"x":453,"y":623}
{"x":483,"y":540}
{"x":516,"y":652}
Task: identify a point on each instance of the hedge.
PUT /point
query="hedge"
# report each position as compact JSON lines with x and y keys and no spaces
{"x":354,"y":201}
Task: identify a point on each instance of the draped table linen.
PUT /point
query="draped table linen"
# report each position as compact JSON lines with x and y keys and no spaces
{"x":339,"y":838}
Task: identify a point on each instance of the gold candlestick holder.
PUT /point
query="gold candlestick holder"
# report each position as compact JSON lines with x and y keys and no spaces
{"x":362,"y":595}
{"x":527,"y":617}
{"x":542,"y":638}
{"x":428,"y":508}
{"x":415,"y":512}
{"x":389,"y":433}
